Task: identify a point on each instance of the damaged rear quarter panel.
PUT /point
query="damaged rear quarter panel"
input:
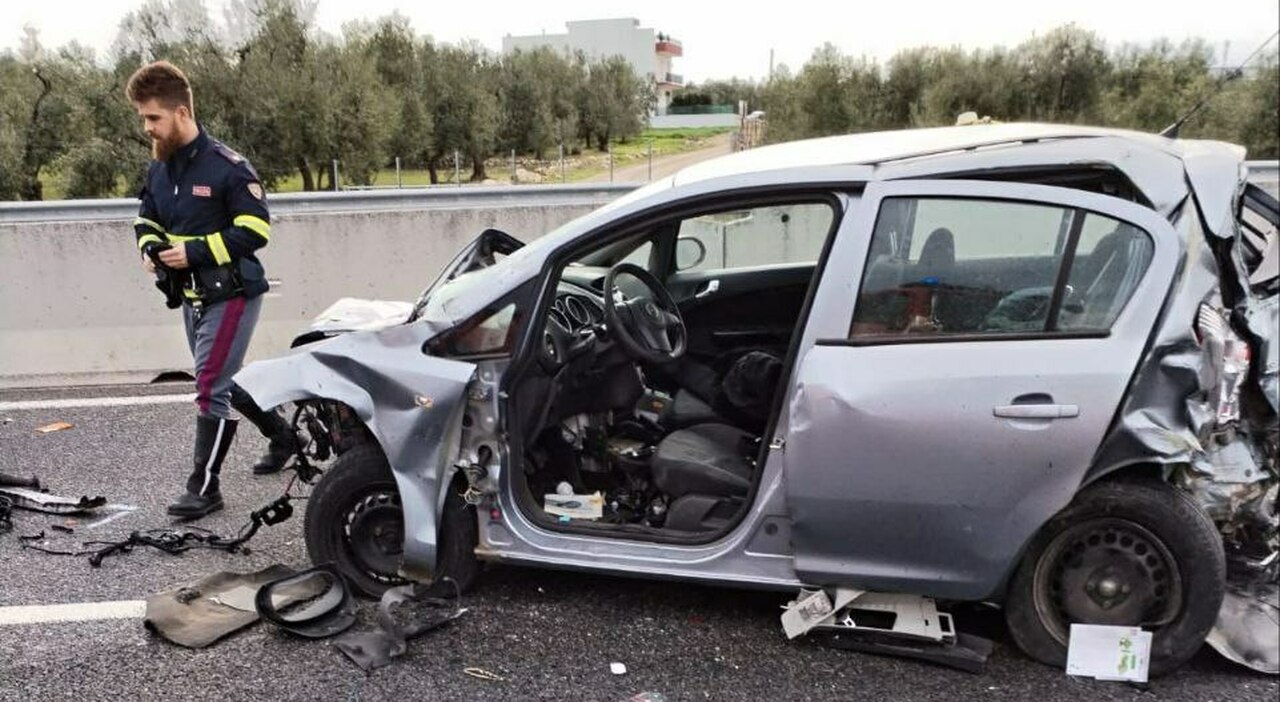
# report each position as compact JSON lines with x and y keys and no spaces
{"x":411,"y":402}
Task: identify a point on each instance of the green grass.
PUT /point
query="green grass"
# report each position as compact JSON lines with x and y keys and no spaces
{"x":665,"y":142}
{"x":55,"y":184}
{"x":408,"y":177}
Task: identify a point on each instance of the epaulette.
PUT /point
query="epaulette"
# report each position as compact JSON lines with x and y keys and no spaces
{"x":227,"y":152}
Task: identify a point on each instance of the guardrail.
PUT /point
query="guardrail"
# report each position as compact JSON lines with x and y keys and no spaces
{"x":1265,"y":173}
{"x":320,"y":202}
{"x":409,"y":198}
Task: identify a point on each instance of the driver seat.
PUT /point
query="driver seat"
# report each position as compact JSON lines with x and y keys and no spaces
{"x":706,"y":459}
{"x":743,"y":396}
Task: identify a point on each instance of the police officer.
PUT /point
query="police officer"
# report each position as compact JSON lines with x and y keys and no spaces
{"x":203,"y":215}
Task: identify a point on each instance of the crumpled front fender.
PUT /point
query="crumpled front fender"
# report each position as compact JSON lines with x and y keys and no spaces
{"x":411,"y":402}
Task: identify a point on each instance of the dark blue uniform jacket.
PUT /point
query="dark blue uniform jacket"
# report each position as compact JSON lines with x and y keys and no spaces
{"x":207,"y":198}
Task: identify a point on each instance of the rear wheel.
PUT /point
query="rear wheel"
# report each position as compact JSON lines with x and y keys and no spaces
{"x":1122,"y":554}
{"x":355,"y":521}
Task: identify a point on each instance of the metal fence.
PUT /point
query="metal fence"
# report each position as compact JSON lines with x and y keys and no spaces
{"x":515,"y":170}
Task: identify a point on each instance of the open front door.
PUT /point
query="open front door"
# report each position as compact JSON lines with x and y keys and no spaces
{"x":967,"y":349}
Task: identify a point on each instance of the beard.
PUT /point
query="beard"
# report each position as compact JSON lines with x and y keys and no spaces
{"x":163,"y":148}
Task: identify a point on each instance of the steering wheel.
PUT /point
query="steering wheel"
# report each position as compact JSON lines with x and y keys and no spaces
{"x":649,"y":327}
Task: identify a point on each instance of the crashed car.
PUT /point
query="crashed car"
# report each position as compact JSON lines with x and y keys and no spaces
{"x":1026,"y":364}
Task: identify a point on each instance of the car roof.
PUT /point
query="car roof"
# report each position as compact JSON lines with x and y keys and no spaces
{"x":874,"y":148}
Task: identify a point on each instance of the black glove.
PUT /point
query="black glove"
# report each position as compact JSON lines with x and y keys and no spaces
{"x":152,"y":251}
{"x":166,"y":281}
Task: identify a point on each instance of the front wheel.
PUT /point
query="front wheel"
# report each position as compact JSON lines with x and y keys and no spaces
{"x":1121,"y":554}
{"x":355,"y":521}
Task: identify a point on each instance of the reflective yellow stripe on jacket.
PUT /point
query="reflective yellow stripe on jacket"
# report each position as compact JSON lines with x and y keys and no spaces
{"x":148,"y":239}
{"x":257,"y":225}
{"x":217,"y":246}
{"x":149,"y":224}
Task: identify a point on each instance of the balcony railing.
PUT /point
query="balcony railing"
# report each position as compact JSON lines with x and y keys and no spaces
{"x":669,"y":46}
{"x":671,"y":79}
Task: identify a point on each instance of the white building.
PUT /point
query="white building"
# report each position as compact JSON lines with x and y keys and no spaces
{"x":649,"y":52}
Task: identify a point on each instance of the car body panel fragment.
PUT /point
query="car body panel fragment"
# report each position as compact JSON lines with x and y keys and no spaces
{"x":199,"y":613}
{"x":1247,"y":626}
{"x":404,"y":612}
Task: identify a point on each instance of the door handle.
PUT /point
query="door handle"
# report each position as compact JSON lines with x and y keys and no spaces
{"x":710,"y":287}
{"x":1037,"y":411}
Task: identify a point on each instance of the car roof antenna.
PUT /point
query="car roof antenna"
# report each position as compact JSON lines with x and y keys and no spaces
{"x":1171,"y":131}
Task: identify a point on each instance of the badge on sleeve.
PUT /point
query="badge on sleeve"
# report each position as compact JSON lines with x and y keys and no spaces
{"x":255,"y":189}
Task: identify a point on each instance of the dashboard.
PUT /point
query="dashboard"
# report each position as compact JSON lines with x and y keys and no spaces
{"x":576,"y":311}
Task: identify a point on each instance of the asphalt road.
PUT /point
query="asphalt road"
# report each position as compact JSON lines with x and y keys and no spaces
{"x":548,"y":635}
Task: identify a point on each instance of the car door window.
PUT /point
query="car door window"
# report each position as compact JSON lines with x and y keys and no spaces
{"x":768,"y":235}
{"x":942,"y":267}
{"x":640,"y":255}
{"x":1104,"y":273}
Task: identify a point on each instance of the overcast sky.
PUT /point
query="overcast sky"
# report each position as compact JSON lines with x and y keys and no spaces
{"x":725,"y":39}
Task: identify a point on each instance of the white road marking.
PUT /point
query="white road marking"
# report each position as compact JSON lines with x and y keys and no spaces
{"x":120,"y":511}
{"x":82,"y":402}
{"x":75,"y":612}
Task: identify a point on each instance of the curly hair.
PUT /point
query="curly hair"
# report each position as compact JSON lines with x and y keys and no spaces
{"x":161,"y":81}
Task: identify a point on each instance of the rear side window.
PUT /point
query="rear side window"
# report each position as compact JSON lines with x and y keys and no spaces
{"x":942,"y":267}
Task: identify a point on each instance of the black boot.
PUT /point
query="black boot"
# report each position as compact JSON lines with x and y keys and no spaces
{"x":213,"y":439}
{"x":282,"y":443}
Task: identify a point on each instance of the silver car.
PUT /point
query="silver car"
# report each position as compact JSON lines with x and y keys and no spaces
{"x":1026,"y":364}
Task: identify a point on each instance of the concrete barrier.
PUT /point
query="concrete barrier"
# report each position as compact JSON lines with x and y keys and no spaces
{"x":76,"y":307}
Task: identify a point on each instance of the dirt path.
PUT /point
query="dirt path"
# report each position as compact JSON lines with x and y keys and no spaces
{"x":665,"y":165}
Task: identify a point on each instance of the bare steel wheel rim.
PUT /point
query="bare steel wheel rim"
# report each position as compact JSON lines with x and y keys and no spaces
{"x":373,"y":533}
{"x":1106,"y":571}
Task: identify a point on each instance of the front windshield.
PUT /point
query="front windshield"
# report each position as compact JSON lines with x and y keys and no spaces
{"x":501,"y":275}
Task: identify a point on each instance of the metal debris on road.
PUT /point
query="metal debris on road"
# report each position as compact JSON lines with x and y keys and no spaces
{"x":372,"y":649}
{"x":25,"y":498}
{"x":482,"y":674}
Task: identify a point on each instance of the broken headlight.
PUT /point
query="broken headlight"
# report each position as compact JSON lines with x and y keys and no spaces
{"x":1230,"y":356}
